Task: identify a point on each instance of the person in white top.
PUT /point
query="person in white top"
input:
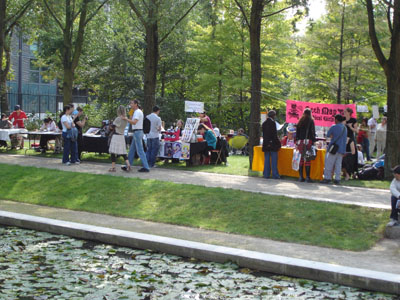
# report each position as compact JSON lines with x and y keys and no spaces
{"x":395,"y":199}
{"x":372,"y":124}
{"x":381,"y":137}
{"x":137,"y":139}
{"x":360,"y":156}
{"x":69,"y":154}
{"x":153,"y":137}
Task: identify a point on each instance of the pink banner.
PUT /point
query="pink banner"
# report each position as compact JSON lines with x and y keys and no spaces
{"x":323,"y":114}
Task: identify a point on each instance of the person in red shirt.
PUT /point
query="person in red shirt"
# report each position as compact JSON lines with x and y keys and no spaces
{"x":18,"y":116}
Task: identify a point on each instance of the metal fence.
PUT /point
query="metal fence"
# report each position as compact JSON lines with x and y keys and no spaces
{"x":42,"y":104}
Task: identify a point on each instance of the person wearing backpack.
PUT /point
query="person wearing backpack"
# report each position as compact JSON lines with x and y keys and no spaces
{"x":152,"y":129}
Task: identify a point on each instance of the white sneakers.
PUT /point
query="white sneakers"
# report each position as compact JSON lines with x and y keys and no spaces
{"x":392,"y":222}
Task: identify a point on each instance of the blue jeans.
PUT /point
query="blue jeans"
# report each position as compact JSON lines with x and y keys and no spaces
{"x":273,"y":155}
{"x":137,"y":146}
{"x":395,"y":212}
{"x":365,"y":147}
{"x":69,"y":148}
{"x":153,"y":145}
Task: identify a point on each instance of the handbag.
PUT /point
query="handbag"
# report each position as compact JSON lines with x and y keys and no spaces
{"x":311,"y":154}
{"x":72,"y":134}
{"x":269,"y":146}
{"x":296,"y":160}
{"x":333,"y":147}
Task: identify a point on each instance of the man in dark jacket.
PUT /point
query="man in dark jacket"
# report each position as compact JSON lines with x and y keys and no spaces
{"x":271,"y":146}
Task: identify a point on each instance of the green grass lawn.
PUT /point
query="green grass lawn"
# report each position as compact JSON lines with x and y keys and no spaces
{"x":273,"y":217}
{"x":237,"y":165}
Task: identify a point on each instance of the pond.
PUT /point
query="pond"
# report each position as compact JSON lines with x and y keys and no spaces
{"x":38,"y":266}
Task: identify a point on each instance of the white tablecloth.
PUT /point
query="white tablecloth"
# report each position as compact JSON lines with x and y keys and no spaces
{"x":5,"y":133}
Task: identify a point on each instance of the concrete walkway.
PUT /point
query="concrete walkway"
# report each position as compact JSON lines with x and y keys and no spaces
{"x":375,"y":198}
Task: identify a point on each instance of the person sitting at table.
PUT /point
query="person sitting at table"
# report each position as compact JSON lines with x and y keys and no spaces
{"x":18,"y":118}
{"x":211,"y":140}
{"x":180,"y":125}
{"x":117,"y":144}
{"x":288,"y":140}
{"x":305,"y":138}
{"x":50,"y":126}
{"x":5,"y":122}
{"x":204,"y":119}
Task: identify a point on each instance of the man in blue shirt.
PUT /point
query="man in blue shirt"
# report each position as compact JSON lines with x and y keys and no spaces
{"x":333,"y":162}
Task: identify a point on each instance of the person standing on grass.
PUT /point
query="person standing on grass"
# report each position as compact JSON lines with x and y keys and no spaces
{"x":363,"y":137}
{"x":204,"y":119}
{"x":117,"y":144}
{"x":305,"y":138}
{"x":69,"y":154}
{"x":395,"y":199}
{"x":352,"y":131}
{"x":372,"y":124}
{"x":153,"y":137}
{"x":79,"y":124}
{"x":333,"y":162}
{"x":137,"y":139}
{"x":271,"y":146}
{"x":381,"y":137}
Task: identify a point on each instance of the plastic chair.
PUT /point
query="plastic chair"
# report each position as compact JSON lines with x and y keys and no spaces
{"x":238,"y":143}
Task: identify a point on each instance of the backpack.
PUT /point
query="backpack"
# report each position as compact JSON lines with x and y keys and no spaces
{"x":146,"y":125}
{"x":371,"y":173}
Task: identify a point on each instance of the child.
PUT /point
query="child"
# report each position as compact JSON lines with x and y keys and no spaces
{"x":360,"y":156}
{"x":395,"y":190}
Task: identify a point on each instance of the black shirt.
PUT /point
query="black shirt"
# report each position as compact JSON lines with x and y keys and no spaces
{"x":350,"y":123}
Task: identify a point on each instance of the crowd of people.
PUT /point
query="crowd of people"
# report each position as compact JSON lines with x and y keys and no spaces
{"x":348,"y":142}
{"x":352,"y":142}
{"x":153,"y":134}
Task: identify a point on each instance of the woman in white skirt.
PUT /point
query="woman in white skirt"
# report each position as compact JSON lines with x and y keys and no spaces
{"x":117,"y":144}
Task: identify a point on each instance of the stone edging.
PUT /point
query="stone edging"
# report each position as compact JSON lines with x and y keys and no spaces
{"x":355,"y":277}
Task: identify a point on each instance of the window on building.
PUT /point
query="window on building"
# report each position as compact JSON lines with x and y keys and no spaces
{"x":35,"y":75}
{"x":33,"y":48}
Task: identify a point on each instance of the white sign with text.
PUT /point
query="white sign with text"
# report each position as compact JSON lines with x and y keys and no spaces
{"x":194,"y":106}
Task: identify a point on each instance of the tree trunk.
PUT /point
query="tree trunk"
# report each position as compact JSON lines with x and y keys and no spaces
{"x":68,"y":84}
{"x":391,"y":68}
{"x":219,"y":96}
{"x":3,"y":69}
{"x":150,"y":65}
{"x":163,"y":80}
{"x":339,"y":88}
{"x":255,"y":60}
{"x":392,"y":157}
